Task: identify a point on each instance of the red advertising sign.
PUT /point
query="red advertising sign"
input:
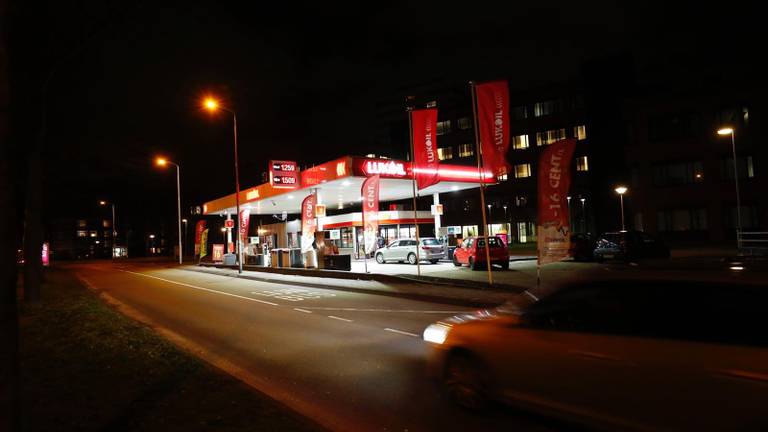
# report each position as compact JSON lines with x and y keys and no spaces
{"x":308,"y":222}
{"x":370,"y":194}
{"x":554,"y":236}
{"x":218,"y":253}
{"x":493,"y":119}
{"x":245,"y":219}
{"x":425,"y":159}
{"x":283,"y":174}
{"x":229,"y":223}
{"x":386,"y":168}
{"x":199,"y":228}
{"x":46,"y":255}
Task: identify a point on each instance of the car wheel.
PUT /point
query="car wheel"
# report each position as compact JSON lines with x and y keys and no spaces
{"x":456,"y":262}
{"x":434,"y":261}
{"x":472,"y":263}
{"x":411,"y":258}
{"x":464,"y":383}
{"x":380,"y":258}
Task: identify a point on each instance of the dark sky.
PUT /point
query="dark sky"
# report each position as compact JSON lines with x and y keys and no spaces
{"x":303,"y":77}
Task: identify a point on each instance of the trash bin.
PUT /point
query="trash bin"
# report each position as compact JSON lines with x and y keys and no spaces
{"x":310,"y":259}
{"x":295,"y":258}
{"x":230,"y":259}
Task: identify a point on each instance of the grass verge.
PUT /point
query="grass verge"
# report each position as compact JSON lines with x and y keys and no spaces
{"x":86,"y":367}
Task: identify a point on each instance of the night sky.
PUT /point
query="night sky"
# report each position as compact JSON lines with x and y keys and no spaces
{"x":303,"y":79}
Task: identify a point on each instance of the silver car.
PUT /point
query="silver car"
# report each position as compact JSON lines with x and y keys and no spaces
{"x":404,"y":250}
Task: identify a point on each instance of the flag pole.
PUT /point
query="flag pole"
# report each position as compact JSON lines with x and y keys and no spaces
{"x":413,"y":172}
{"x":480,"y":171}
{"x":365,"y":253}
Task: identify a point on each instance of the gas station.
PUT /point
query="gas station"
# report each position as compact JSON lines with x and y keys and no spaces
{"x":337,"y":185}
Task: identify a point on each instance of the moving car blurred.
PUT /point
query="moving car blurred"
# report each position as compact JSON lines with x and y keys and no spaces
{"x":404,"y":250}
{"x":621,"y":355}
{"x":582,"y":247}
{"x":472,"y":252}
{"x":629,"y":245}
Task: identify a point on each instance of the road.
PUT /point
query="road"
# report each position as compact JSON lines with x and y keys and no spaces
{"x":350,"y":361}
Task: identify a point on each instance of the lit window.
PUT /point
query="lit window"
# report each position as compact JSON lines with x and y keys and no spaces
{"x":522,"y":170}
{"x":502,"y":177}
{"x":445,"y":153}
{"x":82,"y":233}
{"x":582,"y":164}
{"x":580,"y":132}
{"x":81,"y":223}
{"x":466,"y":150}
{"x":465,"y":123}
{"x":549,"y":137}
{"x":521,"y":201}
{"x":545,"y":108}
{"x":520,"y":112}
{"x":105,"y":223}
{"x":520,"y":142}
{"x":431,"y":104}
{"x":93,"y":234}
{"x":443,"y":127}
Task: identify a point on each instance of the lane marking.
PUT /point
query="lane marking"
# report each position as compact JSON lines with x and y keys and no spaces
{"x":201,"y":288}
{"x":401,"y":332}
{"x":302,"y":310}
{"x":386,"y":310}
{"x":340,"y":319}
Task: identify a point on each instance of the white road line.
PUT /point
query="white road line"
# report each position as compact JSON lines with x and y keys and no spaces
{"x":302,"y":310}
{"x":340,"y":319}
{"x":400,"y":332}
{"x":447,"y":312}
{"x":201,"y":288}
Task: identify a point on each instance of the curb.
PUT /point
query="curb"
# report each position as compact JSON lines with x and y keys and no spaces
{"x":470,"y":302}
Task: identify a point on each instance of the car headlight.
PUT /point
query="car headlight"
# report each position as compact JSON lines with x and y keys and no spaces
{"x":436,"y":333}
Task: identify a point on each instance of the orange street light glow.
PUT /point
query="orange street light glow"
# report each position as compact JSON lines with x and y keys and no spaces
{"x":211,"y":104}
{"x":161,"y":161}
{"x":725,"y":131}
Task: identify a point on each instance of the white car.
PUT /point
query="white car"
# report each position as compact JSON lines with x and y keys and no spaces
{"x":404,"y":250}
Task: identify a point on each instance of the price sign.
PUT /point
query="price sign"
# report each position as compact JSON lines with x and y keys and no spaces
{"x":283,"y":174}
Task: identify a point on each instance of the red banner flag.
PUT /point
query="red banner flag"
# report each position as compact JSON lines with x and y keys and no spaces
{"x":493,"y":119}
{"x":554,"y":233}
{"x":308,"y":222}
{"x":370,"y":194}
{"x":198,"y":232}
{"x":245,"y":219}
{"x":426,"y":163}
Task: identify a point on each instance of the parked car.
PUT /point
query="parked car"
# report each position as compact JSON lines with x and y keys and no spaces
{"x":404,"y":250}
{"x":472,"y":253}
{"x":620,"y":355}
{"x":628,"y":245}
{"x":582,"y":247}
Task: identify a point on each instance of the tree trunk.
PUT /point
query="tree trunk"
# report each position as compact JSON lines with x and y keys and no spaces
{"x":33,"y":230}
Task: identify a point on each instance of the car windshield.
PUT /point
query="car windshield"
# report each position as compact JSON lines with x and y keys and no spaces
{"x":430,"y":242}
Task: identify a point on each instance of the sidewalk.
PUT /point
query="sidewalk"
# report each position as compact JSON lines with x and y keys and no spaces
{"x":435,"y":290}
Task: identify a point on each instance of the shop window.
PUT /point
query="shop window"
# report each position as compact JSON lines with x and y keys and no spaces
{"x":465,"y":123}
{"x":582,"y":164}
{"x":522,"y":232}
{"x":503,"y":177}
{"x":445,"y":153}
{"x":522,"y":170}
{"x":468,"y":231}
{"x":520,"y":142}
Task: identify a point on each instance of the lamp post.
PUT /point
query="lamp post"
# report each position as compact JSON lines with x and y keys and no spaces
{"x":184,"y":221}
{"x":570,"y":225}
{"x":224,"y":234}
{"x":114,"y":229}
{"x":583,"y":213}
{"x":621,"y":190}
{"x":730,"y":131}
{"x":490,"y":219}
{"x":213,"y":105}
{"x":163,"y":162}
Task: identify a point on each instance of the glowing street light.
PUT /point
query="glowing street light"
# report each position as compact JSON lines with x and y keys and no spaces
{"x":162,"y":162}
{"x":730,"y":131}
{"x":213,"y":105}
{"x":114,"y":228}
{"x":621,"y":190}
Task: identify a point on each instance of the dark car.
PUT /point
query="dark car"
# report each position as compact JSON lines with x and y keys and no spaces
{"x":616,"y":355}
{"x":628,"y":245}
{"x":582,"y":247}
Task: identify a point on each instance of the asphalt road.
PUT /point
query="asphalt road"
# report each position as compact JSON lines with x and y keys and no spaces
{"x":350,"y":361}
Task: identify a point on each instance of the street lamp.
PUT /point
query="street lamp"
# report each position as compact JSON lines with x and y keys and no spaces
{"x":164,"y":162}
{"x":114,"y":228}
{"x":212,"y":105}
{"x":490,"y":218}
{"x":583,"y":213}
{"x":570,"y":225}
{"x":184,"y":221}
{"x":730,"y":131}
{"x":224,"y":234}
{"x":621,"y":190}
